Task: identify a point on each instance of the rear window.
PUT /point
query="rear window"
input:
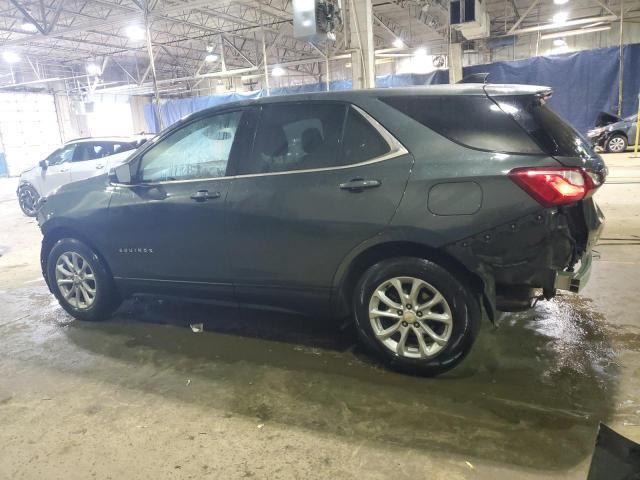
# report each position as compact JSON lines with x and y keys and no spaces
{"x":473,"y":121}
{"x":554,"y":135}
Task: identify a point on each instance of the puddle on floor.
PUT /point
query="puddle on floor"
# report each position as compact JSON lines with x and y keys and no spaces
{"x":531,"y":393}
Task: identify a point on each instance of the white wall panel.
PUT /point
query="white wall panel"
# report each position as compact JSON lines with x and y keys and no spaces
{"x":28,"y":129}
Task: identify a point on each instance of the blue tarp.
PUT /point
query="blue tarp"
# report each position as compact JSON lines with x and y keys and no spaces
{"x":584,"y":84}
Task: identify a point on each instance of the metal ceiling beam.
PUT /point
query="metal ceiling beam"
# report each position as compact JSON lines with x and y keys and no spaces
{"x":556,"y":26}
{"x":28,"y":17}
{"x":522,"y":17}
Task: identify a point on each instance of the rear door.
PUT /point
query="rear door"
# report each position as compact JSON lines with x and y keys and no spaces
{"x":321,"y":178}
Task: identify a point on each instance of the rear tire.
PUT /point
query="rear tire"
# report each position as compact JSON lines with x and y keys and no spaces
{"x":616,"y":144}
{"x":28,"y":199}
{"x":81,"y":281}
{"x":429,"y":329}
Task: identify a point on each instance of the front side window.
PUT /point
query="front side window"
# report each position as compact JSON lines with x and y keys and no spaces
{"x":92,"y":151}
{"x":62,"y":155}
{"x":200,"y":149}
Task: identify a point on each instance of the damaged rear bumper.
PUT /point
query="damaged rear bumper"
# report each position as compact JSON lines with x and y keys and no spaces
{"x":548,"y":250}
{"x":575,"y":281}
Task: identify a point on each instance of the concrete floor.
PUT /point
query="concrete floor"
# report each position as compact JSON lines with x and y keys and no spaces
{"x":270,"y":396}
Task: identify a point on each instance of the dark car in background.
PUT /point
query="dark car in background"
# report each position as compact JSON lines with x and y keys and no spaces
{"x":415,"y":211}
{"x":614,"y":134}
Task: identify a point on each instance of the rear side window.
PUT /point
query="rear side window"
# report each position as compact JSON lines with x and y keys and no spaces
{"x":362,"y":142}
{"x":296,"y":136}
{"x":473,"y":121}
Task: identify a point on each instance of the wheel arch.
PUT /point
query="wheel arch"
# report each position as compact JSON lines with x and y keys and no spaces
{"x":353,"y":268}
{"x":58,"y":232}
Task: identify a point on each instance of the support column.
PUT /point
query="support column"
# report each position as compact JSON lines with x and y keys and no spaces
{"x":455,"y":62}
{"x":362,"y":58}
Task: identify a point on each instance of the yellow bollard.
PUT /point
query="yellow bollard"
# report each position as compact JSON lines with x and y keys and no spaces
{"x":635,"y":147}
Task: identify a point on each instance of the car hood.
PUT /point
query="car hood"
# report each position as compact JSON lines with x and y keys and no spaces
{"x":605,"y":118}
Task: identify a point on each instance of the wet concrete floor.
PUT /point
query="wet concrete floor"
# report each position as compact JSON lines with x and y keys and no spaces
{"x":267,"y":395}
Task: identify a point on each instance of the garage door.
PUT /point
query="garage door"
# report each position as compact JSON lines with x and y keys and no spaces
{"x":28,"y":129}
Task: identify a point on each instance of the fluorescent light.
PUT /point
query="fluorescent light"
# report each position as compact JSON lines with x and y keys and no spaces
{"x":135,"y":32}
{"x":559,"y":42}
{"x":560,"y":17}
{"x":277,"y":71}
{"x":560,"y":2}
{"x":398,"y":43}
{"x":211,"y":57}
{"x":11,"y":57}
{"x":94,"y":69}
{"x":579,"y":31}
{"x":29,"y":27}
{"x":421,"y":52}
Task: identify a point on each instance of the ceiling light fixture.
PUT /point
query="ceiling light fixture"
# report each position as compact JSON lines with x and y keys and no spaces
{"x":11,"y":57}
{"x":398,"y":43}
{"x":421,"y":52}
{"x":135,"y":32}
{"x":560,"y":17}
{"x":94,"y":69}
{"x":211,"y":57}
{"x":277,"y":71}
{"x":559,"y":42}
{"x":560,"y":2}
{"x":29,"y":27}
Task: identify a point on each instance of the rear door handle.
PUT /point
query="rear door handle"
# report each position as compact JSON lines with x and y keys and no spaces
{"x":359,"y":184}
{"x":203,"y":195}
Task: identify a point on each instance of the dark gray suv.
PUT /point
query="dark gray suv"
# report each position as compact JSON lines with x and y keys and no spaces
{"x":416,"y":211}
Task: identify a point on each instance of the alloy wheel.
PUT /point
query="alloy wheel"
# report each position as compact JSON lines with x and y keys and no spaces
{"x":616,"y":144}
{"x":75,"y":280}
{"x":410,"y":317}
{"x":28,"y":201}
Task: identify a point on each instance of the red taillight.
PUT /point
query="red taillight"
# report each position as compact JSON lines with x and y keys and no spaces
{"x":554,"y":185}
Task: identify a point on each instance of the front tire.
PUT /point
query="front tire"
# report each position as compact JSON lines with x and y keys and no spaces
{"x":616,"y":144}
{"x":80,"y":281}
{"x":28,"y":199}
{"x":415,"y":316}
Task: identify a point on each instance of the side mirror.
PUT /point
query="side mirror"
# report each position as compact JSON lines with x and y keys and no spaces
{"x":43,"y":164}
{"x":120,"y":174}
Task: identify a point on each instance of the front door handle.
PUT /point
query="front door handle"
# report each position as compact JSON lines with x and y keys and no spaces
{"x":359,"y":184}
{"x":203,"y":195}
{"x":99,"y":166}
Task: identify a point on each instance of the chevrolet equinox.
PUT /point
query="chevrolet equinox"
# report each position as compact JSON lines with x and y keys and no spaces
{"x":417,"y":211}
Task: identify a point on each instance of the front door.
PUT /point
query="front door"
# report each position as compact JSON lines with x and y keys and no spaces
{"x":168,"y":228}
{"x":322,"y":178}
{"x":57,"y":172}
{"x":90,"y":160}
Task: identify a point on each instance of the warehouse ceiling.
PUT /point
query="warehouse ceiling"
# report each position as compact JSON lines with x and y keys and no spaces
{"x":100,"y":45}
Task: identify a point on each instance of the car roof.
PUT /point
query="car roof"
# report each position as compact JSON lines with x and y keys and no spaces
{"x":114,"y":139}
{"x":466,"y":89}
